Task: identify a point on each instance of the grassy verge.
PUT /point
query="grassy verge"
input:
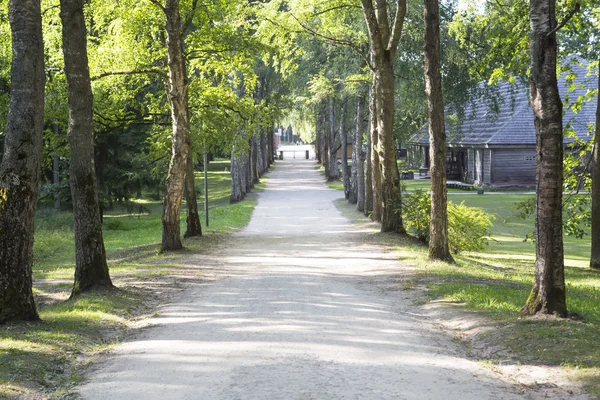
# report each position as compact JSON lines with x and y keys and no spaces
{"x":497,"y":282}
{"x":45,"y":359}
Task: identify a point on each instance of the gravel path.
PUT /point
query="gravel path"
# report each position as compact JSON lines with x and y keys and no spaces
{"x":294,"y":312}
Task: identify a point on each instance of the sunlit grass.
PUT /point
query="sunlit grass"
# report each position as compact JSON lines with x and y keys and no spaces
{"x":41,"y":359}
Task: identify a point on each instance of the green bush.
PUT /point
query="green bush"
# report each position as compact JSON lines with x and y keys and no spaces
{"x":468,"y":227}
{"x":416,"y":210}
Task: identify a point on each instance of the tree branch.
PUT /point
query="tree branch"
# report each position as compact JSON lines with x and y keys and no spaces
{"x":136,"y":72}
{"x":575,"y":9}
{"x":398,"y":26}
{"x":372,"y":25}
{"x":190,"y":18}
{"x":330,"y":39}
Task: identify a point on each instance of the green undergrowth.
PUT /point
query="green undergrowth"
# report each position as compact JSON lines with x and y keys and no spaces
{"x":45,"y":359}
{"x":496,"y":282}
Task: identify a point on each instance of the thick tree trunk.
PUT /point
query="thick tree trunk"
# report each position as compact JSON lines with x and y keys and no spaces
{"x":91,"y":268}
{"x":20,"y":169}
{"x":344,"y":153}
{"x":595,"y":256}
{"x":192,"y":219}
{"x":384,"y":38}
{"x":438,"y":227}
{"x":375,"y":162}
{"x":360,"y":155}
{"x":548,"y":293}
{"x":334,"y":172}
{"x":178,"y":96}
{"x":236,"y":180}
{"x":390,"y":178}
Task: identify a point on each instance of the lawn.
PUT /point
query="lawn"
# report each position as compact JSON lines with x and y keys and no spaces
{"x":497,"y":281}
{"x":45,"y":359}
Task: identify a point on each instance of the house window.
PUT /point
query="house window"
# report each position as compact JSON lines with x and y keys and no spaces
{"x":530,"y":158}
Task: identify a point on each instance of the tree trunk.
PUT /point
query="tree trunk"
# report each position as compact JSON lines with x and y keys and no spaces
{"x":178,"y":96}
{"x":548,"y":293}
{"x":438,"y":227}
{"x":192,"y":220}
{"x":390,"y":178}
{"x":56,"y":180}
{"x":254,"y":159}
{"x":595,"y":256}
{"x":353,"y":192}
{"x":375,"y":162}
{"x":236,"y":179}
{"x":384,"y":38}
{"x":318,"y":137}
{"x":91,"y":268}
{"x":334,"y":172}
{"x":359,"y":171}
{"x":20,"y":169}
{"x":344,"y":153}
{"x":369,"y":163}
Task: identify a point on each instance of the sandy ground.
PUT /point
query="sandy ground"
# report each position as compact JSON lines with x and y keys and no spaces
{"x":294,"y":311}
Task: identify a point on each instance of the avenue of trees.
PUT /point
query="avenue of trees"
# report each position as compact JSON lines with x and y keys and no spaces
{"x":108,"y":98}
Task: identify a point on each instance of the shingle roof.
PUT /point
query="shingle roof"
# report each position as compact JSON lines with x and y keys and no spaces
{"x":505,"y":117}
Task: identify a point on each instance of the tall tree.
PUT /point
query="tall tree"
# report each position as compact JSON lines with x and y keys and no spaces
{"x":438,"y":227}
{"x":20,"y":169}
{"x":344,"y":151}
{"x":178,"y":97}
{"x":548,"y":293}
{"x":595,"y":256}
{"x":384,"y":37}
{"x":91,"y":268}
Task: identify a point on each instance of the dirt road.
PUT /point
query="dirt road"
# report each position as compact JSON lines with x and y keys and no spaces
{"x":294,"y":314}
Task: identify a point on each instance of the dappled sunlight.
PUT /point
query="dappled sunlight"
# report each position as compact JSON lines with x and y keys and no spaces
{"x":292,"y":311}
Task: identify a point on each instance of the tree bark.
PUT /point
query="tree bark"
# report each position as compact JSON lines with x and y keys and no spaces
{"x":548,"y":293}
{"x":20,"y":169}
{"x":334,"y":172}
{"x":91,"y":269}
{"x":192,"y":220}
{"x":353,"y":192}
{"x":438,"y":227}
{"x":375,"y":162}
{"x":360,"y":155}
{"x":236,"y":180}
{"x":595,"y":256}
{"x":178,"y":96}
{"x":369,"y":163}
{"x":344,"y":153}
{"x":384,"y":38}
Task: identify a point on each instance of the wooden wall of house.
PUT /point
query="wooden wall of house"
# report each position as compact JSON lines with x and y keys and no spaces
{"x":513,"y":167}
{"x":487,"y":166}
{"x":470,"y":165}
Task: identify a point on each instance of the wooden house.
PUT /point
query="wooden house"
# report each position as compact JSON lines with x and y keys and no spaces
{"x":494,"y":141}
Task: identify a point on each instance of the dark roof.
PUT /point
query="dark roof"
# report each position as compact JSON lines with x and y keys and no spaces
{"x":502,"y":115}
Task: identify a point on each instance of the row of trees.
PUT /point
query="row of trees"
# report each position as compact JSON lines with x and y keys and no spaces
{"x":138,"y":86}
{"x":375,"y":51}
{"x":153,"y":84}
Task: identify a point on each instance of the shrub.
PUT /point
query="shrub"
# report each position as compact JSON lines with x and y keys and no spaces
{"x":468,"y":227}
{"x":416,"y":210}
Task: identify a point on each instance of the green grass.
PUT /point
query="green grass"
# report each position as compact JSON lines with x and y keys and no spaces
{"x":45,"y":359}
{"x":497,"y":282}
